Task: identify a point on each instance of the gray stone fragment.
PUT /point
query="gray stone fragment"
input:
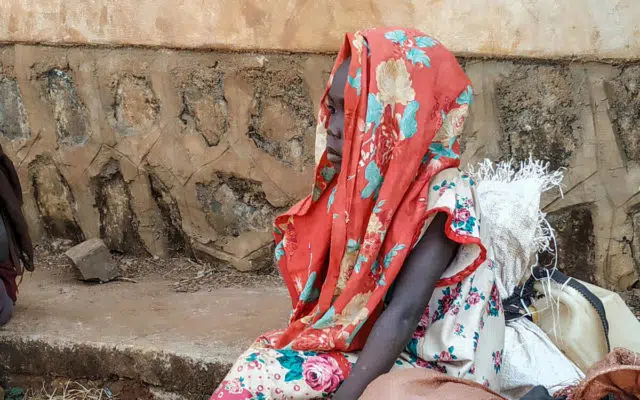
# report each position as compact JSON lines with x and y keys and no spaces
{"x":623,"y":94}
{"x":93,"y":260}
{"x":538,"y":113}
{"x":71,"y":115}
{"x":13,"y":116}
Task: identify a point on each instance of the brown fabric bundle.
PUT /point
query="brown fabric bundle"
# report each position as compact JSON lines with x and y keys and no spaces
{"x":20,"y":246}
{"x":617,"y":374}
{"x":425,"y":384}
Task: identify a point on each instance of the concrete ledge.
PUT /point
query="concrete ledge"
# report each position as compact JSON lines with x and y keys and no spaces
{"x":180,"y":342}
{"x":592,"y":29}
{"x":174,"y":372}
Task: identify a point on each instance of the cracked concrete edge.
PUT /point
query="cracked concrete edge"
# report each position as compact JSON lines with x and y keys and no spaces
{"x":171,"y":371}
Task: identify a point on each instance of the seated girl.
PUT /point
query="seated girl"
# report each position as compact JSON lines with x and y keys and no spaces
{"x":383,"y":261}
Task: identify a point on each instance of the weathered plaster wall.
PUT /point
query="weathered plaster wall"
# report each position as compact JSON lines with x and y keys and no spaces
{"x":582,"y":117}
{"x":172,"y":152}
{"x":522,"y":28}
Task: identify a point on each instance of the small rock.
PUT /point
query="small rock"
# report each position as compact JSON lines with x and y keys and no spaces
{"x":261,"y":60}
{"x":93,"y":260}
{"x":60,"y":245}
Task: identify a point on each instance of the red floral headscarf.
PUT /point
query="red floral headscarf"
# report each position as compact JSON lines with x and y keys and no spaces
{"x":341,"y":248}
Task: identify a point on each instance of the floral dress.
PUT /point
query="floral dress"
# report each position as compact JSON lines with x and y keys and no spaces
{"x":461,"y":332}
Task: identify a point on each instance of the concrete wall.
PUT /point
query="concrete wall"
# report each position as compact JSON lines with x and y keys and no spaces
{"x":517,"y":28}
{"x":171,"y":152}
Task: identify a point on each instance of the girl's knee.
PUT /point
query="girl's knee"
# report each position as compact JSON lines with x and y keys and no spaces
{"x":6,"y":305}
{"x":5,"y":313}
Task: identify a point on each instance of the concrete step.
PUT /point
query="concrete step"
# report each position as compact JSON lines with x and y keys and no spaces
{"x":179,"y":342}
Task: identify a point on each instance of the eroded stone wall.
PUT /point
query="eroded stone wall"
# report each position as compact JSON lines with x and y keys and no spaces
{"x":581,"y":117}
{"x":174,"y":152}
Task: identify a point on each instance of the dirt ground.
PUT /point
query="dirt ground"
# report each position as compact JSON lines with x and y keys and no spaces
{"x":187,"y":274}
{"x":191,"y":275}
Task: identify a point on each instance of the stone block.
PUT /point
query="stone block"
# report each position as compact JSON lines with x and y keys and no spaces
{"x":238,"y":210}
{"x":93,"y":260}
{"x":623,"y":94}
{"x":70,"y":113}
{"x":136,"y":107}
{"x":204,"y":109}
{"x":234,"y":205}
{"x":177,"y":240}
{"x":54,"y":200}
{"x":13,"y":115}
{"x":575,"y":237}
{"x":538,"y":114}
{"x":282,"y":121}
{"x":118,"y":222}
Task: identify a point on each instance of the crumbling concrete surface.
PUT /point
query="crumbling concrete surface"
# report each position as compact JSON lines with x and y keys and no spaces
{"x":185,"y":343}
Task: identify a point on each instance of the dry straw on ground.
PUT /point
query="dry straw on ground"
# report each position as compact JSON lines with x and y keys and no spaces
{"x":70,"y":391}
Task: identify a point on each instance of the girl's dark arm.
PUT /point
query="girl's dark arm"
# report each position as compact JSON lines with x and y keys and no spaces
{"x":394,"y":328}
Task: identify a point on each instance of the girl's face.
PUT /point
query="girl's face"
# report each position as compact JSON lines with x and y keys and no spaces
{"x":335,"y":102}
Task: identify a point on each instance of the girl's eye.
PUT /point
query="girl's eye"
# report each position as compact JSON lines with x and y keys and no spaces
{"x":331,"y":108}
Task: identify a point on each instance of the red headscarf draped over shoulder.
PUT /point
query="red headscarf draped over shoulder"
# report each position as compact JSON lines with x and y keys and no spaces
{"x":341,"y":248}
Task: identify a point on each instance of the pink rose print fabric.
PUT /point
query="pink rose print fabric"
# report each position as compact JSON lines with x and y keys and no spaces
{"x":461,"y":332}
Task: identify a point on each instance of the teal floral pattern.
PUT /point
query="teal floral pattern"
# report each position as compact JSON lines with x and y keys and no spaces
{"x":473,"y":298}
{"x":439,"y":151}
{"x":310,"y":292}
{"x":374,"y":180}
{"x":447,"y":302}
{"x":497,"y":360}
{"x":355,"y":81}
{"x":446,"y":355}
{"x":466,"y":97}
{"x":291,"y":361}
{"x":476,"y":338}
{"x":262,"y":373}
{"x":444,"y":186}
{"x":414,"y":47}
{"x":464,"y":220}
